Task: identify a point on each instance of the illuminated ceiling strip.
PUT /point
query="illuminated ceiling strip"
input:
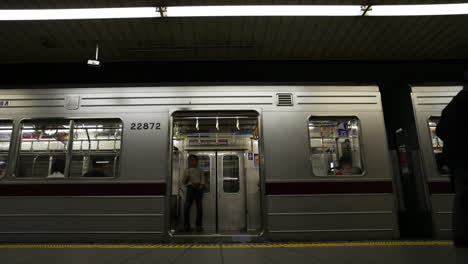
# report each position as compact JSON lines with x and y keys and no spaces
{"x":80,"y":13}
{"x":234,"y":11}
{"x":317,"y":10}
{"x":264,"y":10}
{"x":419,"y":10}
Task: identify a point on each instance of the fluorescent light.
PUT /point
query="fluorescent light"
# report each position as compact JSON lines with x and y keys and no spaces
{"x":81,"y":13}
{"x":419,"y":10}
{"x":233,"y":11}
{"x":264,"y":10}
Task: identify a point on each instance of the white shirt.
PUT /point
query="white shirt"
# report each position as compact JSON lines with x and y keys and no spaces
{"x":194,"y":176}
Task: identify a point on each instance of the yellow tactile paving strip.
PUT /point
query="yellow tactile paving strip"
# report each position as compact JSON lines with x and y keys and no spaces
{"x":265,"y":245}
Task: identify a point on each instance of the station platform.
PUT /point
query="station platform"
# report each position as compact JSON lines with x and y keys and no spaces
{"x":393,"y":252}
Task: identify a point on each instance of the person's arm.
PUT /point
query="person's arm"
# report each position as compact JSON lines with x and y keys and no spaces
{"x":186,"y":178}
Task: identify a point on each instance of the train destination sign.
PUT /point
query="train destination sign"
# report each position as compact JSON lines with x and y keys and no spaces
{"x":208,"y":142}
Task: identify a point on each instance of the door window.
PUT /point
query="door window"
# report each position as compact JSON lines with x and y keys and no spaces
{"x":231,"y":174}
{"x":437,"y":146}
{"x":204,"y":163}
{"x":6,"y":128}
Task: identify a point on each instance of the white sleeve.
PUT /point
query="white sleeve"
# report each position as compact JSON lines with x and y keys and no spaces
{"x":186,"y":178}
{"x":203,"y":178}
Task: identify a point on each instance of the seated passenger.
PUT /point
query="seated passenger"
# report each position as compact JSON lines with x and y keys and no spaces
{"x":3,"y":168}
{"x":98,"y":169}
{"x":57,"y":169}
{"x":346,"y":167}
{"x":347,"y":150}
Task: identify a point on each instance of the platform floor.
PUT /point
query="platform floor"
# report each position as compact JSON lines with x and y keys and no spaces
{"x":396,"y":252}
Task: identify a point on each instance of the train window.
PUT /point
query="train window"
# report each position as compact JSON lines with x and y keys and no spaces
{"x":437,"y":146}
{"x":43,"y":148}
{"x":6,"y":128}
{"x":96,"y":148}
{"x":231,"y":174}
{"x":335,"y":146}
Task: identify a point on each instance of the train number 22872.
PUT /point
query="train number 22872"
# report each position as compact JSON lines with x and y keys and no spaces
{"x":145,"y":126}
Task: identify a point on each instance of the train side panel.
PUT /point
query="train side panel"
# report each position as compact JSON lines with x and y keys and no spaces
{"x":304,"y":206}
{"x":428,"y":102}
{"x":134,"y":204}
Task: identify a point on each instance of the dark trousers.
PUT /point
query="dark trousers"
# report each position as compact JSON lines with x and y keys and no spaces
{"x":193,"y":194}
{"x":460,"y":207}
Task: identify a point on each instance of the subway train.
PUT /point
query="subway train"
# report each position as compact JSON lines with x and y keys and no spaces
{"x":428,"y":103}
{"x":279,"y":162}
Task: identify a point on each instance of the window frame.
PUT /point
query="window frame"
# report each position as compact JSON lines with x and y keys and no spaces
{"x":238,"y":174}
{"x":118,"y":167}
{"x":433,"y":156}
{"x":11,"y":148}
{"x":19,"y":140}
{"x":361,"y":146}
{"x":68,"y":153}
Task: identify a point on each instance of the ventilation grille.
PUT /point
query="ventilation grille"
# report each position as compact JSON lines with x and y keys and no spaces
{"x":284,"y":99}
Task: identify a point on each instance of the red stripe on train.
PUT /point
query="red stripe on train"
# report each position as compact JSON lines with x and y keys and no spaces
{"x":159,"y":189}
{"x":92,"y":189}
{"x":439,"y":187}
{"x":285,"y":188}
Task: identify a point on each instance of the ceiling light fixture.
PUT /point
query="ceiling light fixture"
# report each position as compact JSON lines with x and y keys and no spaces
{"x":79,"y":13}
{"x":96,"y":62}
{"x":418,"y":10}
{"x":234,"y":11}
{"x":264,"y":10}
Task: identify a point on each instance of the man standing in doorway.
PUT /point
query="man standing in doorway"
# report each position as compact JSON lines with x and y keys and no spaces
{"x":194,"y":179}
{"x":452,"y":129}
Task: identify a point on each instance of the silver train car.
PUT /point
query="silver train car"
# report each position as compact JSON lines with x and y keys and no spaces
{"x":428,"y":103}
{"x":280,"y":162}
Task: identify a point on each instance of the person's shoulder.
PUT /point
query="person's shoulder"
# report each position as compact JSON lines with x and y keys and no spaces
{"x":459,"y":103}
{"x":462,"y":96}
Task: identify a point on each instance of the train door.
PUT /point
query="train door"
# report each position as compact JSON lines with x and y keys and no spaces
{"x":226,"y":145}
{"x":231,"y":192}
{"x":206,"y":162}
{"x":224,"y":197}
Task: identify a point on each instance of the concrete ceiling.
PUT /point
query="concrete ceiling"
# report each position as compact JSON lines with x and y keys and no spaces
{"x":231,"y":38}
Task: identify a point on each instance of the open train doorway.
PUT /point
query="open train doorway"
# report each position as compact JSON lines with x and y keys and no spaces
{"x":215,"y":173}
